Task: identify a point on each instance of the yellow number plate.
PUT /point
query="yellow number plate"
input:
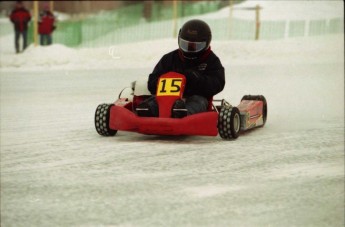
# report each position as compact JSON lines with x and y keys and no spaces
{"x":169,"y":87}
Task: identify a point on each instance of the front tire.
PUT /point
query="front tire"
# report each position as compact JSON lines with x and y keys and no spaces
{"x":229,"y":122}
{"x":102,"y":116}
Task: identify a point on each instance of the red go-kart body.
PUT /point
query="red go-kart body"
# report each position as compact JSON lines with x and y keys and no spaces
{"x":224,"y":119}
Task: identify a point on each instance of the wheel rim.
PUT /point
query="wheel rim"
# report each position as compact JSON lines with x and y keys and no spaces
{"x":237,"y":122}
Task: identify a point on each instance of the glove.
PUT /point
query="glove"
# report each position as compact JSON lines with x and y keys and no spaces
{"x":192,"y":76}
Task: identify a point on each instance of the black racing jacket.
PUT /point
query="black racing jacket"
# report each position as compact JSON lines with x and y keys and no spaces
{"x":211,"y":73}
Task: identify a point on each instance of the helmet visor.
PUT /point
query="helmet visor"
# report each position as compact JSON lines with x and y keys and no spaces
{"x":191,"y":47}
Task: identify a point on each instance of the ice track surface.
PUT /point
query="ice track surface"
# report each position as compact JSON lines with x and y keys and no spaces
{"x":57,"y":171}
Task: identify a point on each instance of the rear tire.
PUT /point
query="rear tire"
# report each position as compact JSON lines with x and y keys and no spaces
{"x":229,"y":122}
{"x":102,"y":116}
{"x":258,"y":98}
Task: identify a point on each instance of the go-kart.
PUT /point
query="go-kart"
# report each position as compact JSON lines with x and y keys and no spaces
{"x":221,"y":117}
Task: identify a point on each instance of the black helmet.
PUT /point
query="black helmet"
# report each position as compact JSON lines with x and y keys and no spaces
{"x":194,"y":38}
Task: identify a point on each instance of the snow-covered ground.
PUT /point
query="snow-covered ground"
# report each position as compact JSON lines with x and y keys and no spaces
{"x":57,"y":171}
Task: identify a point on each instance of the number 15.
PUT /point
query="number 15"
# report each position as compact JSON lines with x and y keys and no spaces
{"x":169,"y":86}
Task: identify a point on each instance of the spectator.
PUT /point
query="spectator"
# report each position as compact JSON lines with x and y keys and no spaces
{"x":20,"y":18}
{"x":46,"y":26}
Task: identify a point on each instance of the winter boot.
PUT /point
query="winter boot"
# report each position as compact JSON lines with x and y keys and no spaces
{"x":148,"y":108}
{"x":179,"y":109}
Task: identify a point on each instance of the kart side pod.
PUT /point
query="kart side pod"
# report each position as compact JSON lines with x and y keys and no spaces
{"x":249,"y":114}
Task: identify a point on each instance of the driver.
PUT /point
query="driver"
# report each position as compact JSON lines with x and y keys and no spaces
{"x":196,"y":61}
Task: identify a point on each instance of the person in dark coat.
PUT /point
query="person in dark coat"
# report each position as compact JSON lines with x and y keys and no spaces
{"x":46,"y":26}
{"x":20,"y":17}
{"x":205,"y":76}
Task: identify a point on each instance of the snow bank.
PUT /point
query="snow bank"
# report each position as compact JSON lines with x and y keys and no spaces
{"x":146,"y":54}
{"x":283,"y":10}
{"x":60,"y":16}
{"x":41,"y":57}
{"x":58,"y":56}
